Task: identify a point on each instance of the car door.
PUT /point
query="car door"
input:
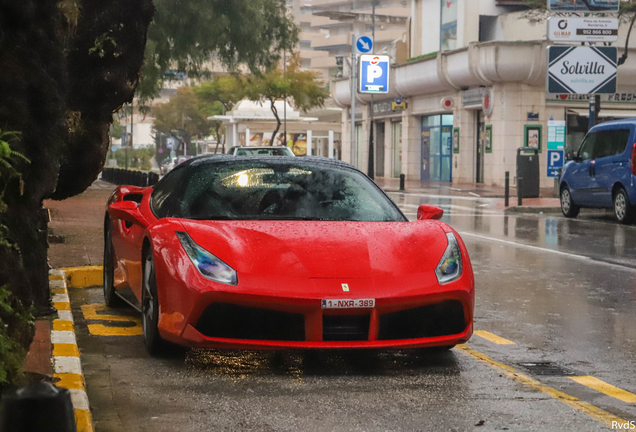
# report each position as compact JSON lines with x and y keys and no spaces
{"x":608,"y":163}
{"x":580,"y":179}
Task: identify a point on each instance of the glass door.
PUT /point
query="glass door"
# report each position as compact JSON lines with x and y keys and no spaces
{"x":481,"y":137}
{"x":396,"y":145}
{"x":446,"y":151}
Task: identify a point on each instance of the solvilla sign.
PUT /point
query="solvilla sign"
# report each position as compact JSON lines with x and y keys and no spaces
{"x":582,"y":70}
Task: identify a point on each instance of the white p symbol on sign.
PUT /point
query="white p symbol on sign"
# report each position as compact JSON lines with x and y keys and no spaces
{"x":373,"y":72}
{"x":555,"y":158}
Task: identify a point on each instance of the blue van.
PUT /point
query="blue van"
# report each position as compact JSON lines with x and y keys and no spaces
{"x":602,"y":173}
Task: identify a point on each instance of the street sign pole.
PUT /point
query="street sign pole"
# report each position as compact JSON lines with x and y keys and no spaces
{"x":354,"y":84}
{"x":371,"y":172}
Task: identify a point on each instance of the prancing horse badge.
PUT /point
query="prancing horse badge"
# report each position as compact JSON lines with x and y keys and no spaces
{"x":345,"y":287}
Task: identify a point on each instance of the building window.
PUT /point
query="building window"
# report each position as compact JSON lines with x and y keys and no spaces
{"x":448,"y":29}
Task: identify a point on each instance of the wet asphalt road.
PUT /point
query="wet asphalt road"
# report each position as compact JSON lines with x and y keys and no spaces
{"x":562,"y":293}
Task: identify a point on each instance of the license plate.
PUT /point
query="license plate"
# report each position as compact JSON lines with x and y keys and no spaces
{"x":348,"y":304}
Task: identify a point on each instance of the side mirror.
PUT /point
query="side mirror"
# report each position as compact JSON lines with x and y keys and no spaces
{"x":429,"y":212}
{"x":127,"y":211}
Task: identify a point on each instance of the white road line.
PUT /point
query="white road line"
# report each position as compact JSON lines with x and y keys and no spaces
{"x":57,"y":284}
{"x":541,"y":249}
{"x":68,"y":365}
{"x":79,"y":399}
{"x":60,"y":298}
{"x":65,"y":315}
{"x":63,"y":337}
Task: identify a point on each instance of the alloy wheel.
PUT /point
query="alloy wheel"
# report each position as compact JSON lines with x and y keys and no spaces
{"x":620,"y":206}
{"x":566,"y":201}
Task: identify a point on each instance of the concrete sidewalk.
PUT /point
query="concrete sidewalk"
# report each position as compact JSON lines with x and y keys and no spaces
{"x":546,"y":203}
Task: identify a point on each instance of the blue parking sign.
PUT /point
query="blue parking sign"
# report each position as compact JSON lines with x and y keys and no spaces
{"x":555,"y":161}
{"x":374,"y":74}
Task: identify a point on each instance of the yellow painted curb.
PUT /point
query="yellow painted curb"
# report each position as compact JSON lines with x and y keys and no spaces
{"x":84,"y":277}
{"x":65,"y":356}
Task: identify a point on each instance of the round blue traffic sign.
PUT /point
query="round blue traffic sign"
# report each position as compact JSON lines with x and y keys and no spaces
{"x":364,"y":44}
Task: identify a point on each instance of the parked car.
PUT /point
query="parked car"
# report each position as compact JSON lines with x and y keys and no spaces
{"x":284,"y":253}
{"x":167,"y":165}
{"x":261,"y":151}
{"x":602,"y":173}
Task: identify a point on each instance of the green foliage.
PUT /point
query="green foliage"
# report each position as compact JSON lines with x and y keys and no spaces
{"x":16,"y":320}
{"x":295,"y":85}
{"x":424,"y":56}
{"x":16,"y":328}
{"x":7,"y":155}
{"x":536,"y":4}
{"x":137,"y":158}
{"x":182,"y":117}
{"x":187,"y":35}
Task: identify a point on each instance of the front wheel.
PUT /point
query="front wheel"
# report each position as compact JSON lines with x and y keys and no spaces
{"x":155,"y":345}
{"x":110,"y":297}
{"x":623,"y":210}
{"x":568,"y":208}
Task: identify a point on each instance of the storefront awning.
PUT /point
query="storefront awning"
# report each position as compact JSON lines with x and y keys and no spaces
{"x":605,"y":113}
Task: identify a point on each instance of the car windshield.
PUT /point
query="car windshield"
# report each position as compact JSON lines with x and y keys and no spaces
{"x":264,"y":152}
{"x":258,"y":190}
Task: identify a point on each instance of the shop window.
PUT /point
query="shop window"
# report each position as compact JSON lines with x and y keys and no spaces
{"x":448,"y":28}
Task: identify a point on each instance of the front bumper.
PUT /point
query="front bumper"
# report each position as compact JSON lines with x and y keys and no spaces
{"x":256,"y":322}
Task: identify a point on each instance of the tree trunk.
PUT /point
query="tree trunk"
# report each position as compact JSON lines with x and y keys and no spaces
{"x":278,"y":123}
{"x":218,"y":139}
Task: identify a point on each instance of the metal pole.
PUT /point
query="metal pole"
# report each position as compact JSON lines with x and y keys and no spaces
{"x":354,"y":67}
{"x":519,"y":189}
{"x":507,"y":187}
{"x":371,"y":172}
{"x":402,"y":180}
{"x":285,"y":102}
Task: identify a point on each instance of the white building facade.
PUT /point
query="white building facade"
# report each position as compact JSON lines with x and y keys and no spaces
{"x":465,"y":52}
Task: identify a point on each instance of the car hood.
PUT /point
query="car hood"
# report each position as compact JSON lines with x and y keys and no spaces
{"x":317,"y":249}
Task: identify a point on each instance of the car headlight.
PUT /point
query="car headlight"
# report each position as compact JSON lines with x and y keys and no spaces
{"x":208,"y":265}
{"x":450,"y":266}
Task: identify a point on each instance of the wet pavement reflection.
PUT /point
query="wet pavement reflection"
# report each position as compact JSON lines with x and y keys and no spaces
{"x":243,"y":364}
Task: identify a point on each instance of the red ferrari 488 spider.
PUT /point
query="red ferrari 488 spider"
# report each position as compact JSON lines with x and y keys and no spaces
{"x":273,"y":253}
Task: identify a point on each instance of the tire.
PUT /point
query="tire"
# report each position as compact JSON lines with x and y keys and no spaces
{"x":111,"y":299}
{"x":568,"y":208}
{"x":155,"y":345}
{"x":623,"y":210}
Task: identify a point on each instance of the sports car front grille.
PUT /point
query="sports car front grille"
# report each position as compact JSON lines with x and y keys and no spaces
{"x":223,"y":320}
{"x":340,"y":328}
{"x":442,"y":319}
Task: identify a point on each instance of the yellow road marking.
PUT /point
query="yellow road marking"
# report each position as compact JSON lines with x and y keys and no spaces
{"x":56,"y":277}
{"x":62,"y":306}
{"x":59,"y":291}
{"x":603,"y":387}
{"x":594,"y":412}
{"x":60,"y":325}
{"x":65,"y":350}
{"x":83,"y":420}
{"x":70,"y":381}
{"x":90,"y":313}
{"x":493,"y":338}
{"x":102,"y":330}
